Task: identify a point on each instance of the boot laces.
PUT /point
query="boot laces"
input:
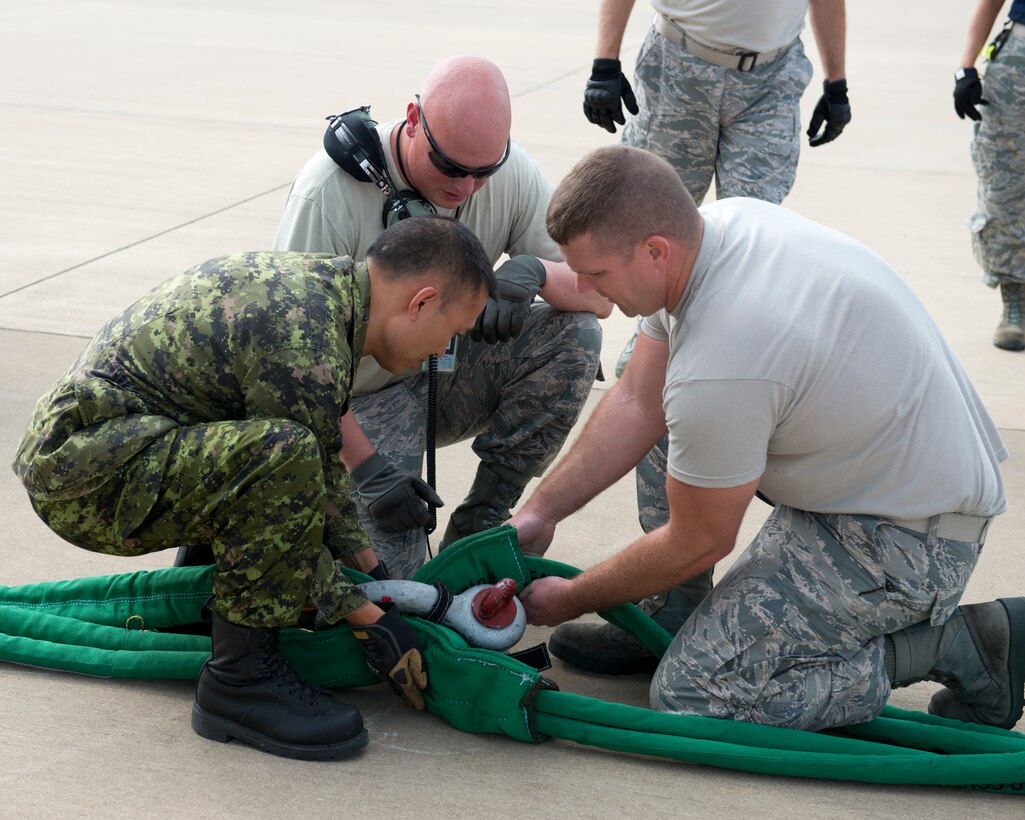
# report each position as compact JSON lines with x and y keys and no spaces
{"x":1013,"y":296}
{"x":275,"y":667}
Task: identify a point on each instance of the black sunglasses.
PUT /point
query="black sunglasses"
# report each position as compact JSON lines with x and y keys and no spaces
{"x":449,"y":167}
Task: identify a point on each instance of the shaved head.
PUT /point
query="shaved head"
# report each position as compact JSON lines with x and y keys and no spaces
{"x":466,"y":102}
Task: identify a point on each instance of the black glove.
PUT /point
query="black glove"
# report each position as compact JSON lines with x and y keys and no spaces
{"x":397,"y":499}
{"x":392,"y":650}
{"x":380,"y":572}
{"x":602,"y":94}
{"x":968,"y":94}
{"x":519,"y":281}
{"x":833,"y":109}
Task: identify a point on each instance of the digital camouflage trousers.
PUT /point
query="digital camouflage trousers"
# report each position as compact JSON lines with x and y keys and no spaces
{"x":517,"y":400}
{"x":742,"y":127}
{"x":254,"y":490}
{"x":792,"y":635}
{"x":998,"y":224}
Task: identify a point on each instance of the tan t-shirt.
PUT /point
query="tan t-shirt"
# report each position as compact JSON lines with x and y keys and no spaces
{"x":800,"y":357}
{"x":751,"y":25}
{"x":328,"y":211}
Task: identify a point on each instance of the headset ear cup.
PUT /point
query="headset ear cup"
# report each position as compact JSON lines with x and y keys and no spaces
{"x":403,"y":205}
{"x":351,"y":139}
{"x":392,"y":212}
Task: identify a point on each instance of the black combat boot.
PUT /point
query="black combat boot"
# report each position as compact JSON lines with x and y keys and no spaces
{"x":610,"y":650}
{"x":248,"y":692}
{"x":978,"y":655}
{"x":603,"y":648}
{"x":200,"y":555}
{"x":495,"y":491}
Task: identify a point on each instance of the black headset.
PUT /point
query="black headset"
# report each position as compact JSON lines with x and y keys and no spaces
{"x":353,"y":143}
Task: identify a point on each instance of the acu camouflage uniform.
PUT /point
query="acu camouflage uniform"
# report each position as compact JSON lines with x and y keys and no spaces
{"x":998,"y":225}
{"x":208,"y":413}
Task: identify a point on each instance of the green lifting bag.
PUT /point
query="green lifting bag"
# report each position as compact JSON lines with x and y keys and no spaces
{"x":131,"y":626}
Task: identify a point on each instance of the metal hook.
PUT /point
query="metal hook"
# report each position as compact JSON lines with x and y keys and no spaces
{"x":140,"y":619}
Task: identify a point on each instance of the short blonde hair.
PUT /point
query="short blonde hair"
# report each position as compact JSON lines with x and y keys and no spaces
{"x":620,"y":196}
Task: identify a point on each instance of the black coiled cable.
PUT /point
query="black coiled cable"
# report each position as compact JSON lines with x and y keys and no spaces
{"x":431,"y":433}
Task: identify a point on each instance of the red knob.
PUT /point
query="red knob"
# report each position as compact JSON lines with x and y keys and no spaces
{"x":494,"y":606}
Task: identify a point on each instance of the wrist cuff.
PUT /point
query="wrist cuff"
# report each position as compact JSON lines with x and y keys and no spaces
{"x":604,"y":68}
{"x":367,"y":468}
{"x":535,"y":266}
{"x":836,"y":90}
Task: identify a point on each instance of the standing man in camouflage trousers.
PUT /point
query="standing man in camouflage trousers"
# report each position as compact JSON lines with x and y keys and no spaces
{"x":521,"y":380}
{"x":767,"y":356}
{"x":719,"y":87}
{"x":208,"y":413}
{"x":998,"y":224}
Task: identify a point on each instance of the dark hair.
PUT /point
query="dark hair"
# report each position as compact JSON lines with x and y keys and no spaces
{"x":620,"y":196}
{"x":420,"y":244}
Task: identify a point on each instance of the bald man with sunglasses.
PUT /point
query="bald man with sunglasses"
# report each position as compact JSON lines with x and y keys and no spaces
{"x":522,"y":376}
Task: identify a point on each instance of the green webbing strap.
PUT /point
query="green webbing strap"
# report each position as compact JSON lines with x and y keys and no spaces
{"x":61,"y":642}
{"x":105,"y":625}
{"x":111,"y":626}
{"x":168,"y":597}
{"x":770,"y":750}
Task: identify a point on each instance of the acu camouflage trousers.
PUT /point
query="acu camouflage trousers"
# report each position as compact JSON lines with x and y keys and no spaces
{"x":254,"y":490}
{"x":998,"y":224}
{"x":518,"y":400}
{"x":792,"y":634}
{"x":742,"y":127}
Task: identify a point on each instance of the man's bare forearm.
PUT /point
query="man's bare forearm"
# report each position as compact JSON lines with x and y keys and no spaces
{"x":828,"y":20}
{"x":560,"y":291}
{"x":613,"y":441}
{"x":981,"y":24}
{"x":356,"y":447}
{"x":612,"y":19}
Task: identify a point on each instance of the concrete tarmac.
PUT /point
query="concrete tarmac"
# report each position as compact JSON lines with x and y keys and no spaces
{"x":140,"y":138}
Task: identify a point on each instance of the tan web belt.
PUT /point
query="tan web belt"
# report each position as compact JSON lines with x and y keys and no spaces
{"x":954,"y":526}
{"x":740,"y":60}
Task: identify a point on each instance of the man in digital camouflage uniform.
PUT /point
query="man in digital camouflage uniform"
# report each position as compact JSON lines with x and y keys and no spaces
{"x":766,"y":355}
{"x":998,"y":224}
{"x":719,"y":87}
{"x":521,"y":380}
{"x":208,"y":413}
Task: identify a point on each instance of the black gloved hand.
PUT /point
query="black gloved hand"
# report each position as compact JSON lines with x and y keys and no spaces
{"x":519,"y":281}
{"x":380,"y":572}
{"x":397,"y":499}
{"x":968,"y":94}
{"x":833,"y":109}
{"x":603,"y":92}
{"x":392,"y":650}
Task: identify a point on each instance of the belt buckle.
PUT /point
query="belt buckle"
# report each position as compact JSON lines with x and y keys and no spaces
{"x":747,"y":60}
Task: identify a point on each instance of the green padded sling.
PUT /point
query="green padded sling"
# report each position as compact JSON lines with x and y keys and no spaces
{"x":112,"y":626}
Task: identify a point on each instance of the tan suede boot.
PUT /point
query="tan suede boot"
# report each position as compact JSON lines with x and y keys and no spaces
{"x":1010,"y":333}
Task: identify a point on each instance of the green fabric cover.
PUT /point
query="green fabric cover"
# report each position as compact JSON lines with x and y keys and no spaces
{"x":111,"y":626}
